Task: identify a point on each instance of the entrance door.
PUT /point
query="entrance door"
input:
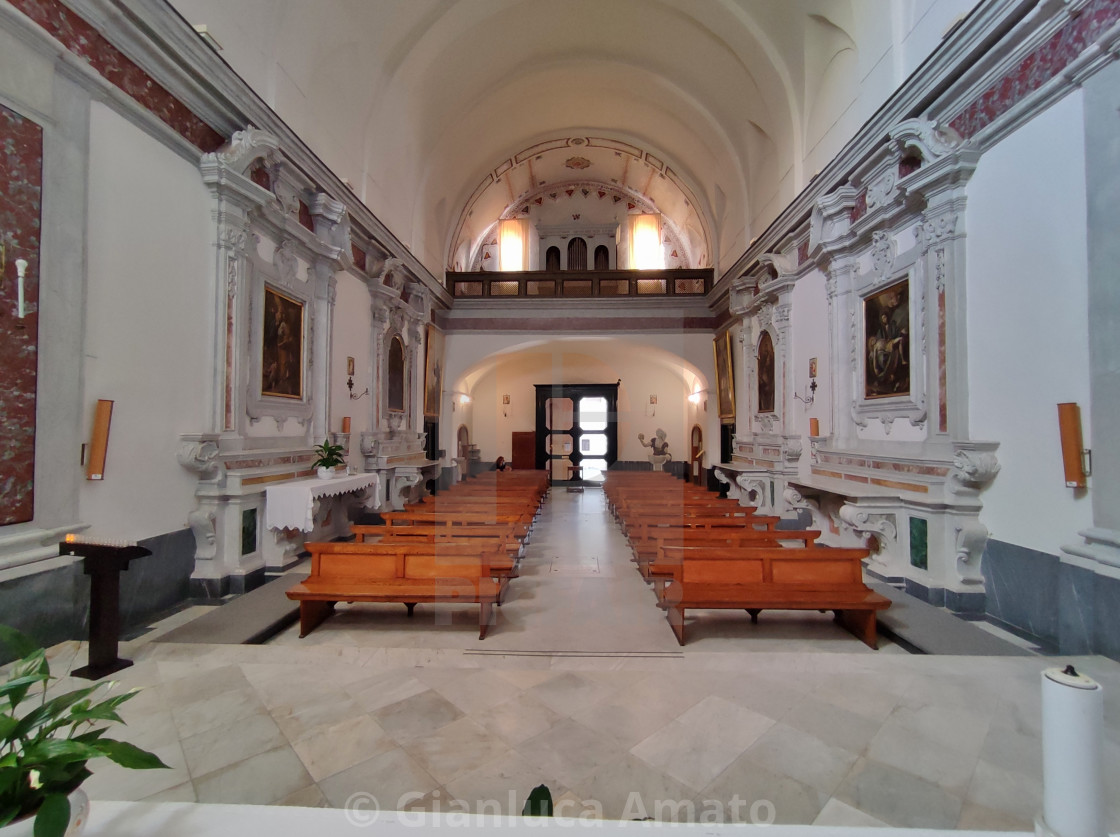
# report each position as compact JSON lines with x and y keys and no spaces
{"x":696,"y":443}
{"x":577,"y":430}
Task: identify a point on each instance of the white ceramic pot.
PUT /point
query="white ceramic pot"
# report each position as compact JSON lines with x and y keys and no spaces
{"x":324,"y":473}
{"x":79,"y":813}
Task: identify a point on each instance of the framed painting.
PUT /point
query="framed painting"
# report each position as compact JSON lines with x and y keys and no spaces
{"x":282,"y":346}
{"x":433,"y":373}
{"x":766,"y":376}
{"x":886,"y":320}
{"x":725,"y":382}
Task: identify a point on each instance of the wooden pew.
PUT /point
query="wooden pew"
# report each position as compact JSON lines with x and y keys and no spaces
{"x":640,"y":527}
{"x":772,"y":578}
{"x":668,"y":546}
{"x":348,"y":572}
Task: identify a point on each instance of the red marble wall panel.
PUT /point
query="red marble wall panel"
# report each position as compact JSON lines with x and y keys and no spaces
{"x":1038,"y":67}
{"x":21,"y":187}
{"x":305,"y":216}
{"x":860,"y":207}
{"x":83,"y":40}
{"x":359,"y":257}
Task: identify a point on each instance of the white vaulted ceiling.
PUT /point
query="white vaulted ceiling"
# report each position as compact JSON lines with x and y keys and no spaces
{"x":434,"y":110}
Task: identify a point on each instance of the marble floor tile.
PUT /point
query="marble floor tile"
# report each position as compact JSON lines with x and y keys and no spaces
{"x":222,"y":746}
{"x":330,"y":748}
{"x":832,"y":724}
{"x":628,"y":788}
{"x":476,"y":690}
{"x":455,"y":749}
{"x":518,"y":719}
{"x":225,"y":708}
{"x":750,"y":793}
{"x":503,"y":783}
{"x":1005,"y":791}
{"x":789,"y":751}
{"x":904,"y":749}
{"x":309,"y":797}
{"x":417,"y":715}
{"x":898,"y":798}
{"x":570,"y":692}
{"x":263,"y":779}
{"x":111,"y":781}
{"x":180,"y":793}
{"x":688,"y":754}
{"x":837,"y":813}
{"x":392,"y":778}
{"x":569,"y":751}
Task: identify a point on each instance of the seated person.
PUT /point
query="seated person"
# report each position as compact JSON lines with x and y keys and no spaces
{"x":500,"y":465}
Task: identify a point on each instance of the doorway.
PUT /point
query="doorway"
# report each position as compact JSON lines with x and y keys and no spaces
{"x":696,"y":453}
{"x":577,"y":431}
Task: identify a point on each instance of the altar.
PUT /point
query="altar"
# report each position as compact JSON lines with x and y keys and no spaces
{"x":313,"y":509}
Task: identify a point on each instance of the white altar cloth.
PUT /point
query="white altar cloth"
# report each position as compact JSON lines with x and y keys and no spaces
{"x":291,"y":505}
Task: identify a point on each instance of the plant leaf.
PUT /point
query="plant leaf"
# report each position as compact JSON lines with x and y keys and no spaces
{"x":52,"y":710}
{"x":61,"y":750}
{"x":128,"y":755}
{"x":53,"y":816}
{"x":538,"y":803}
{"x":18,"y":642}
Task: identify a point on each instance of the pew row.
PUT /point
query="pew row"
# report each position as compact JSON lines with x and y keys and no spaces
{"x":770,"y":578}
{"x":350,"y":572}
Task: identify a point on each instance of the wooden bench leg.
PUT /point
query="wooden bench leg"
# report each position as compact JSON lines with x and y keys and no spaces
{"x":485,"y":618}
{"x":411,"y":606}
{"x":754,"y":611}
{"x":312,"y":614}
{"x":861,"y":624}
{"x":676,"y":622}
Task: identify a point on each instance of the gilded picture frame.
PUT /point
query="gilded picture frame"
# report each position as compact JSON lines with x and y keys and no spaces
{"x":886,"y":362}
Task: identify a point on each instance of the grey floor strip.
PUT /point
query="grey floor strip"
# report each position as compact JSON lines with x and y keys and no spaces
{"x":932,"y":630}
{"x":247,"y":620}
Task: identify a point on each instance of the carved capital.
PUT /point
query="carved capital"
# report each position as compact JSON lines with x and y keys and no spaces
{"x":972,"y":471}
{"x":926,"y":137}
{"x":200,"y":456}
{"x":792,"y":450}
{"x":933,"y":230}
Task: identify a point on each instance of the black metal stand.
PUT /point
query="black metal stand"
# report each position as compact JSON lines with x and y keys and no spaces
{"x":103,"y":564}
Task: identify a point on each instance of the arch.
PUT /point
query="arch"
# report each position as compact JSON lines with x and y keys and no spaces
{"x":602,"y":257}
{"x":577,"y":254}
{"x":552,"y":259}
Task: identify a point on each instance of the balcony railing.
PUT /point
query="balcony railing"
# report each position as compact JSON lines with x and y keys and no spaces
{"x":579,"y":284}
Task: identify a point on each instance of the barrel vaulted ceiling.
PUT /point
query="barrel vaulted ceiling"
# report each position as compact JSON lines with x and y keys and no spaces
{"x":445,"y":115}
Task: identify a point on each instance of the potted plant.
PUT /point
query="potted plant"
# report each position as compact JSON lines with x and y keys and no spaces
{"x":45,"y":742}
{"x":330,"y":457}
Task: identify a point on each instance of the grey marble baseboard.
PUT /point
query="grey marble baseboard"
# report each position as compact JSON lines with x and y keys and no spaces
{"x":1022,"y":587}
{"x":1088,"y":603}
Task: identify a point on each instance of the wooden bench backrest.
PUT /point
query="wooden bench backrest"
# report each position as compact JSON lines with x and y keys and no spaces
{"x":504,"y":531}
{"x":354,"y":562}
{"x":724,"y":536}
{"x":777,"y":565}
{"x":454,"y":518}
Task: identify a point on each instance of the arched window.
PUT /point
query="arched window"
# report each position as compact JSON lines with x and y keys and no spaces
{"x":552,"y":258}
{"x":577,"y":254}
{"x":602,"y":258}
{"x":395,"y":399}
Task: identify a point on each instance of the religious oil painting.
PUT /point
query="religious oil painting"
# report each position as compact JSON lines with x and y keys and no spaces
{"x":766,"y":373}
{"x":886,"y":317}
{"x":433,"y":373}
{"x":282,"y":346}
{"x":395,"y":383}
{"x":725,"y":384}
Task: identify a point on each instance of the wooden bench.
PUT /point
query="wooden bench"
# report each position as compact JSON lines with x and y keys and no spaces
{"x":667,"y":546}
{"x":642,"y":527}
{"x":348,"y":572}
{"x":772,"y":578}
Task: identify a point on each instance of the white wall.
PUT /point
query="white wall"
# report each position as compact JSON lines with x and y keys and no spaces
{"x":351,"y":338}
{"x":148,"y":327}
{"x":809,"y":327}
{"x":1027,"y":322}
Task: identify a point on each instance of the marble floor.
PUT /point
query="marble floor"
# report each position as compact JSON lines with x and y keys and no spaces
{"x":581,"y":686}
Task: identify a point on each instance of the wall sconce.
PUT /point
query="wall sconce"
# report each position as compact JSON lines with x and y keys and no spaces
{"x":350,"y":380}
{"x":811,"y":389}
{"x":459,"y":398}
{"x":505,"y":405}
{"x":1077,"y":461}
{"x":697,"y":396}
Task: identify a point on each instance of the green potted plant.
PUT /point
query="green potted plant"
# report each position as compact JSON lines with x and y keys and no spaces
{"x":45,"y":742}
{"x":330,"y":457}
